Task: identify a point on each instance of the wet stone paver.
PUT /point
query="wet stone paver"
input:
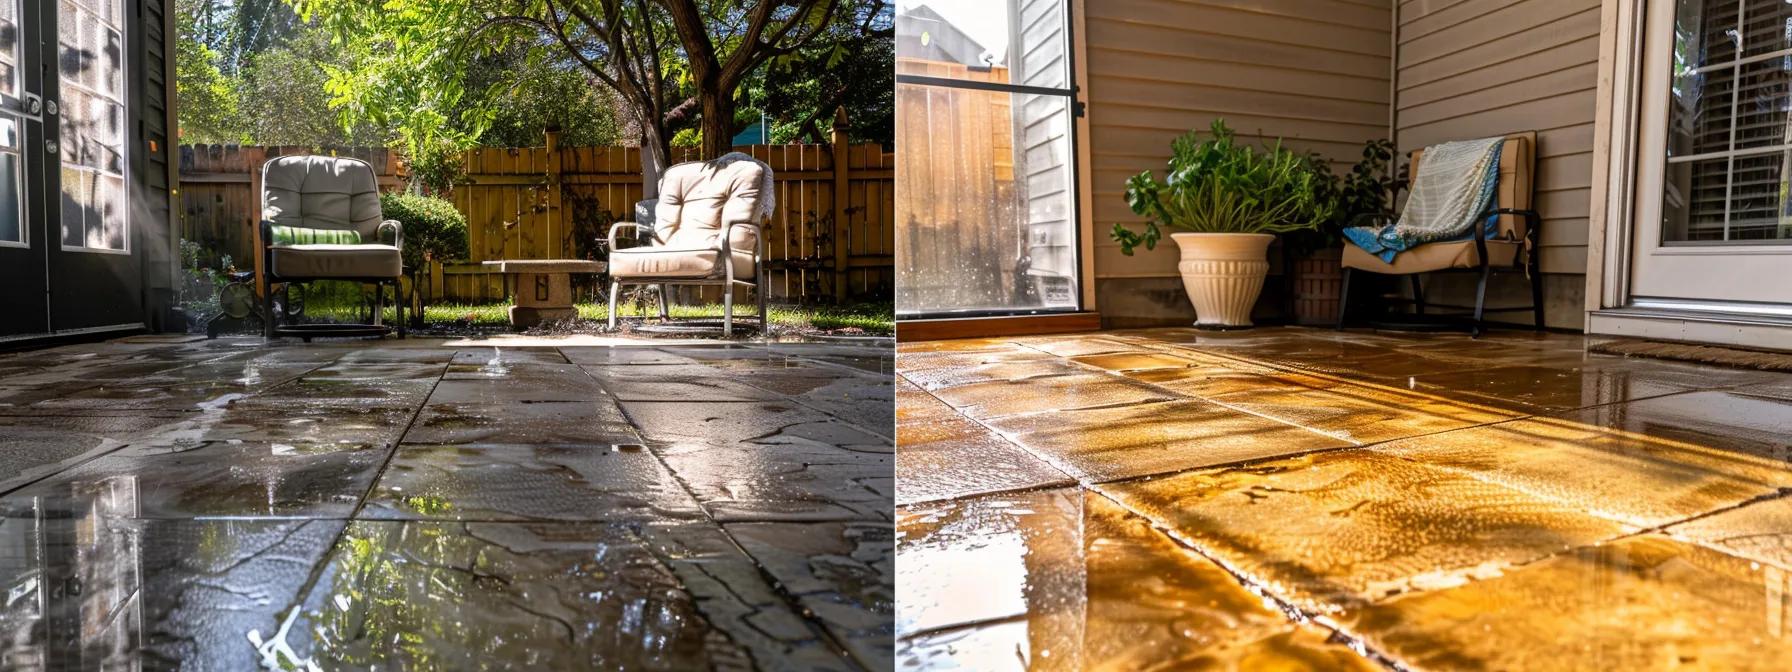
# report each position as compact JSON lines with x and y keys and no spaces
{"x":1284,"y":498}
{"x":171,"y":503}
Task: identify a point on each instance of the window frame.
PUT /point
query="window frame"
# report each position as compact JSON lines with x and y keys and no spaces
{"x":1077,"y":113}
{"x":124,"y":144}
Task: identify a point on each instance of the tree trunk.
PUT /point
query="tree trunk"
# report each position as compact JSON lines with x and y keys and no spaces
{"x":718,"y":122}
{"x":655,"y":157}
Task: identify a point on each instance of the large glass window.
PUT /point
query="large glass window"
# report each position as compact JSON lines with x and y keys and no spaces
{"x":12,"y":165}
{"x":1729,"y":152}
{"x":986,"y":198}
{"x":90,"y":54}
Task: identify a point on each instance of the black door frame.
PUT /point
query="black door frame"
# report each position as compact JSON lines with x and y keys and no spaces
{"x":24,"y":305}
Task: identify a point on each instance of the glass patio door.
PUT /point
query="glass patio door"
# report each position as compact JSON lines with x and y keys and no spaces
{"x":986,"y":196}
{"x":1714,"y":217}
{"x":24,"y":304}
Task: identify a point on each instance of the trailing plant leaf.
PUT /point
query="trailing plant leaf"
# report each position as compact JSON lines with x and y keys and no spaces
{"x":1216,"y":185}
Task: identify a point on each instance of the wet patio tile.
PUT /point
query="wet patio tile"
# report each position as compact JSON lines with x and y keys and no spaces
{"x":1361,"y":414}
{"x":1596,"y":382}
{"x":1111,"y":443}
{"x":1760,"y":531}
{"x":193,"y":591}
{"x":690,"y":383}
{"x":496,"y":356}
{"x":1208,"y":380}
{"x":991,"y":558}
{"x":518,"y":384}
{"x":1129,"y":598}
{"x":914,"y":404}
{"x":528,"y":482}
{"x":624,"y":356}
{"x":945,"y":377}
{"x":911,"y":362}
{"x":766,"y":423}
{"x":1675,"y":464}
{"x":1055,"y":393}
{"x":553,"y":423}
{"x":823,"y":472}
{"x":518,"y":595}
{"x":960,"y":458}
{"x":955,"y":345}
{"x":31,"y":444}
{"x":1333,"y":532}
{"x":843,"y":573}
{"x":214,"y":479}
{"x":1074,"y":345}
{"x":1643,"y":603}
{"x":262,"y":420}
{"x":1136,"y":361}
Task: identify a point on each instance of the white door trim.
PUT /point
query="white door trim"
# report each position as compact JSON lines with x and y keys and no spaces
{"x":1618,"y":127}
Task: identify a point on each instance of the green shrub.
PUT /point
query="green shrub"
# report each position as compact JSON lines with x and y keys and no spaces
{"x":433,"y":229}
{"x":1220,"y":186}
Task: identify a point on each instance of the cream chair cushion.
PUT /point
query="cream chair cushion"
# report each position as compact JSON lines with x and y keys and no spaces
{"x":327,"y":192}
{"x":696,"y":200}
{"x":1432,"y":257}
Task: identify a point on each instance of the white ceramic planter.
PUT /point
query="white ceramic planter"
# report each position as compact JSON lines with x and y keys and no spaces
{"x":1223,"y":274}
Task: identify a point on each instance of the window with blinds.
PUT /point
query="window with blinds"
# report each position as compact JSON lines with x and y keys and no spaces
{"x":1729,"y":153}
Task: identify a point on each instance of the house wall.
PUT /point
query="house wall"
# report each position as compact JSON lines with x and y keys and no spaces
{"x":1315,"y":72}
{"x":1479,"y":68}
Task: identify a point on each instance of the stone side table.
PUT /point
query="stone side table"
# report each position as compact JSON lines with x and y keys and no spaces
{"x":543,"y":288}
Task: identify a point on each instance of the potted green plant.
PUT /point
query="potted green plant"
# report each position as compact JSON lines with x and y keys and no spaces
{"x":1224,"y":202}
{"x":1315,"y":274}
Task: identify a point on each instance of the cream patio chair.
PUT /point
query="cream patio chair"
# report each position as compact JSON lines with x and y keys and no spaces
{"x":1513,"y":245}
{"x":706,"y":231}
{"x":321,"y":220}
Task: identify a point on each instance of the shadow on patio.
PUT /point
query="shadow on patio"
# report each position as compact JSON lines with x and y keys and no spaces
{"x":1299,"y":499}
{"x":229,"y":504}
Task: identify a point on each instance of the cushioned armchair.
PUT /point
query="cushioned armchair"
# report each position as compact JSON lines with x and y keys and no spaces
{"x":321,"y":220}
{"x":1511,"y":247}
{"x":706,"y":231}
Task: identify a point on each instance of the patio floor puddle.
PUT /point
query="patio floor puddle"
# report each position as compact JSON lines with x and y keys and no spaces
{"x":1300,"y":499}
{"x":416,"y":504}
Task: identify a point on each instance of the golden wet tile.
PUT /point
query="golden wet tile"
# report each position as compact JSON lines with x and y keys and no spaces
{"x":1130,"y":599}
{"x":1054,"y":393}
{"x":1074,"y":345}
{"x":1009,"y":352}
{"x":1111,"y":443}
{"x":1647,"y":603}
{"x":1155,"y":605}
{"x":1136,"y":361}
{"x":990,"y":558}
{"x":1761,"y":531}
{"x":933,"y":379}
{"x":1553,"y":388}
{"x":1629,"y":477}
{"x":1361,"y":414}
{"x":1210,"y":380}
{"x":969,"y":460}
{"x":916,"y":404}
{"x":1335,"y":531}
{"x":955,"y":345}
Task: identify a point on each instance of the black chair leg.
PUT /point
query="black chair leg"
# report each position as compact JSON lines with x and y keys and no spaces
{"x":1537,"y":297}
{"x":267,"y":312}
{"x":1418,"y":294}
{"x":1480,"y":301}
{"x":1344,"y":297}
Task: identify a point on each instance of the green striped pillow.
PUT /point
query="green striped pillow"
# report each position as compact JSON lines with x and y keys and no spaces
{"x":299,"y":235}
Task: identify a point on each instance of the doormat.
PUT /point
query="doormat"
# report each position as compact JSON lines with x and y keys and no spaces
{"x":1764,"y":360}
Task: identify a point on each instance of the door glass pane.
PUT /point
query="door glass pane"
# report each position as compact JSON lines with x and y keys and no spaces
{"x":985,"y":201}
{"x":1729,"y":111}
{"x":12,"y":174}
{"x":9,"y":47}
{"x":1007,"y":41}
{"x":91,"y":64}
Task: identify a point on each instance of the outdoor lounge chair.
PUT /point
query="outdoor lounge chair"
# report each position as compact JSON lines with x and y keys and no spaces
{"x":321,"y":220}
{"x":706,"y":231}
{"x":1513,"y":246}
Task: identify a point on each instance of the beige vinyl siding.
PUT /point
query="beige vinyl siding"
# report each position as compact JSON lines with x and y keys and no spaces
{"x":1312,"y":71}
{"x":1478,"y":68}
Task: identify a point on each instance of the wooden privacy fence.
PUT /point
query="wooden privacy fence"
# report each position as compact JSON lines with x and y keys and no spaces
{"x":830,"y":239}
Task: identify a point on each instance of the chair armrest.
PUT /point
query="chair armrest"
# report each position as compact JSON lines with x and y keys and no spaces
{"x":611,"y":237}
{"x":395,"y":228}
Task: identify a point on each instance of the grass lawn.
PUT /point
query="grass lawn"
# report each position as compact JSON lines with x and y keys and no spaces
{"x":874,"y":318}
